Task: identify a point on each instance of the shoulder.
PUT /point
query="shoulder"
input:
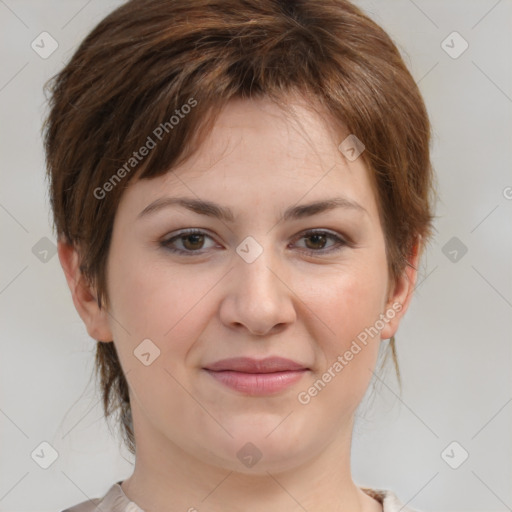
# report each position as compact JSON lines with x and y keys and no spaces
{"x":388,"y":499}
{"x":114,"y":500}
{"x":84,"y":506}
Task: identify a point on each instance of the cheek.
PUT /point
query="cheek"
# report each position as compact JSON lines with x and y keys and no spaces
{"x":348,"y":304}
{"x":347,"y":354}
{"x":159,"y":301}
{"x":350,"y":300}
{"x":153,"y":299}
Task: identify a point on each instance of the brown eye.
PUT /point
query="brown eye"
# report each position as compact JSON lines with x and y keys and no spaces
{"x":317,"y":240}
{"x":191,"y":241}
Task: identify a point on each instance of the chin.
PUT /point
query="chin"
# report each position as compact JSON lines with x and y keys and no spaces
{"x":256,"y":451}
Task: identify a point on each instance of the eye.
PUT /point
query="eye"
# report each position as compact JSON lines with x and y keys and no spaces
{"x":191,"y":239}
{"x":318,"y":239}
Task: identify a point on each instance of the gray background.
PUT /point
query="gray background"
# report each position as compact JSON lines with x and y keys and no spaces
{"x":454,"y":343}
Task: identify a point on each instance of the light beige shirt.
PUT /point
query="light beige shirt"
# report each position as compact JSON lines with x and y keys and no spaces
{"x":115,"y":500}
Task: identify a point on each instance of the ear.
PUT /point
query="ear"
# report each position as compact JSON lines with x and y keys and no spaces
{"x":401,"y":294}
{"x":84,"y":296}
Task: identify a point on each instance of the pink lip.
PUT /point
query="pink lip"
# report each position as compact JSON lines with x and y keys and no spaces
{"x":257,"y":377}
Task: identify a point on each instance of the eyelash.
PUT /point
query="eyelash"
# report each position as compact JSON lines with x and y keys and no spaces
{"x":183,"y":234}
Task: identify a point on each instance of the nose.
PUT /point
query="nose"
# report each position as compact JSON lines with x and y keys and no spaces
{"x":258,"y":299}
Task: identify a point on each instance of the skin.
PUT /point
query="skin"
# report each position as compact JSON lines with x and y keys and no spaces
{"x":198,"y":309}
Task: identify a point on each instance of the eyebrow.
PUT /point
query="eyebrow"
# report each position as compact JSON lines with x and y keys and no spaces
{"x":211,"y":209}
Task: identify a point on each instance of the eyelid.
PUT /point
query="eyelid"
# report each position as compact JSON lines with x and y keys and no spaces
{"x":165,"y":242}
{"x":322,"y":231}
{"x":340,"y":241}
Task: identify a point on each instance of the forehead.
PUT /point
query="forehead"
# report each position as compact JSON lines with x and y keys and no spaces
{"x":259,"y":153}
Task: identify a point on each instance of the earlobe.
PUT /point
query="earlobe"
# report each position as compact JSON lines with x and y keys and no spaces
{"x":401,"y":295}
{"x":83,"y":295}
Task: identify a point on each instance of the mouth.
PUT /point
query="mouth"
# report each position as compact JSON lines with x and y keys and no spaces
{"x":257,"y":377}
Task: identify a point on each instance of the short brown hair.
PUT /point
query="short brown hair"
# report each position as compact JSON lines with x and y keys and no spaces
{"x":148,"y":58}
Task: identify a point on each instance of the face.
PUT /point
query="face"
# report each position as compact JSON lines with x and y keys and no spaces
{"x":310,"y":285}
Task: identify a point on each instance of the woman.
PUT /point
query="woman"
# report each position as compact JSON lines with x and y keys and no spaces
{"x":241,"y":192}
